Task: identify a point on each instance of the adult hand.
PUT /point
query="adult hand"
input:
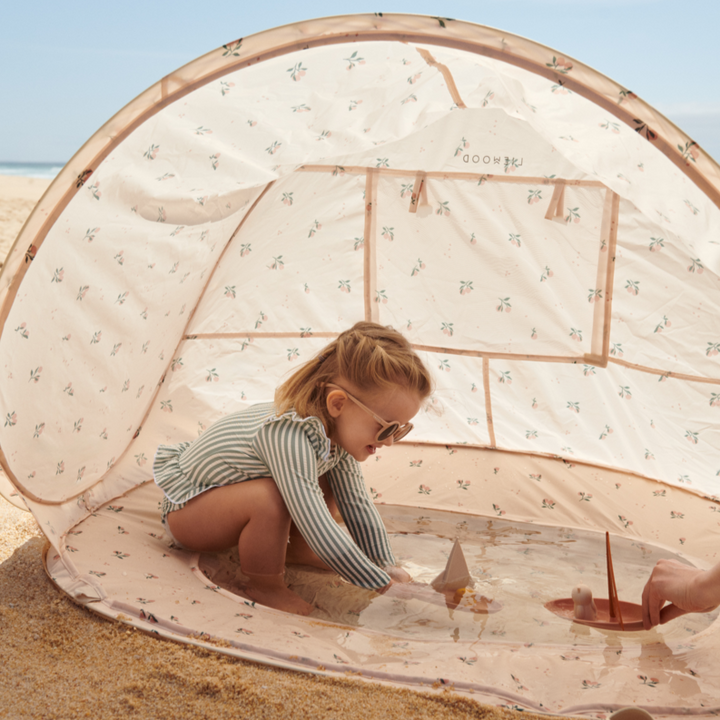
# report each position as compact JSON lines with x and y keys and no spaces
{"x":688,"y":589}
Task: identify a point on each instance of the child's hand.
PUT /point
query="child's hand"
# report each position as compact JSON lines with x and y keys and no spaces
{"x":398,"y":574}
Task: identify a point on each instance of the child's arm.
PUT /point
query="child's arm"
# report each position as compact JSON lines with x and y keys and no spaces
{"x":289,"y":454}
{"x":359,"y":512}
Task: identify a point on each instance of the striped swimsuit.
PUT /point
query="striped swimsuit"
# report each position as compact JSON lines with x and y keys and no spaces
{"x":295,"y":452}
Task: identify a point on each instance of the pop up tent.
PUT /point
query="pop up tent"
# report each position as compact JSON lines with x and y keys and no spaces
{"x":546,"y":240}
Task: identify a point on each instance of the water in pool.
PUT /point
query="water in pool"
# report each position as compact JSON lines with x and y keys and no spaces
{"x":520,"y":566}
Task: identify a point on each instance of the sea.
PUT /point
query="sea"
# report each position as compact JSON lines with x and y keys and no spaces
{"x":31,"y":169}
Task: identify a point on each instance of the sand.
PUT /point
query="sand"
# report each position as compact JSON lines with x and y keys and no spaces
{"x":61,"y":661}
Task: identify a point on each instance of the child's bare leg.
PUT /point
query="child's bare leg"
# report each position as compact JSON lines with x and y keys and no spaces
{"x":298,"y":551}
{"x":253,"y":515}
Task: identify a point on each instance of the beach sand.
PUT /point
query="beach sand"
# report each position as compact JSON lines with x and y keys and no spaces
{"x":61,"y":661}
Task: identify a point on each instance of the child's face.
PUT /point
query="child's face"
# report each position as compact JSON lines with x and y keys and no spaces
{"x":356,"y":429}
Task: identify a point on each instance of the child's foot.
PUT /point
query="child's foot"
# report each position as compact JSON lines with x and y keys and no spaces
{"x":270,"y":590}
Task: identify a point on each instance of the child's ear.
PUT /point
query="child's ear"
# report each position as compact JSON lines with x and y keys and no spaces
{"x":335,"y":402}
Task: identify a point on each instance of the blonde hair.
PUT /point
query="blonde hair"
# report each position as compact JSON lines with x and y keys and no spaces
{"x":367,"y":355}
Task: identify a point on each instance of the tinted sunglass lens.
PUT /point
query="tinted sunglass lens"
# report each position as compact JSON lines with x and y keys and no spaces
{"x":387,"y":431}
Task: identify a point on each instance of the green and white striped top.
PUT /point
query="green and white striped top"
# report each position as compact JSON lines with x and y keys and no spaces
{"x":295,"y":452}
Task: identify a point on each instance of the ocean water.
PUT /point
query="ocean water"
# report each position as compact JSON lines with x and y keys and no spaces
{"x":31,"y":169}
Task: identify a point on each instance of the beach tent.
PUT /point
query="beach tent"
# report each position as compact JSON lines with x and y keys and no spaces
{"x":546,"y":240}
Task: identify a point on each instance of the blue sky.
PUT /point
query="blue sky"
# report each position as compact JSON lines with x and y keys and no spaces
{"x":67,"y":67}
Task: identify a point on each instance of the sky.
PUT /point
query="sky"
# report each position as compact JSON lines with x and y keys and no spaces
{"x":67,"y":67}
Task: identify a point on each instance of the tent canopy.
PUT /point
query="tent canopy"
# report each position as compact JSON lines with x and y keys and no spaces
{"x":546,"y":240}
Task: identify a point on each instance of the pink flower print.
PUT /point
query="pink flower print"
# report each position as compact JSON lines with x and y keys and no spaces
{"x":674,"y":515}
{"x":691,"y":437}
{"x":151,"y":152}
{"x":692,"y":208}
{"x":447,"y":329}
{"x":245,"y":249}
{"x":35,"y":374}
{"x":60,"y":469}
{"x":595,"y":295}
{"x":232,"y":48}
{"x":689,"y":151}
{"x":650,"y":456}
{"x":358,"y":242}
{"x":573,"y":215}
{"x":203,"y":131}
{"x":424,"y":490}
{"x":297,"y":71}
{"x":215,"y":161}
{"x":420,"y":265}
{"x":547,"y":274}
{"x":388,"y":233}
{"x":489,"y":95}
{"x":38,"y":430}
{"x":225,"y":87}
{"x":91,"y":233}
{"x":410,"y":98}
{"x":505,"y":377}
{"x":339,"y":171}
{"x":406,"y":190}
{"x":58,"y":275}
{"x":95,"y":190}
{"x":576,"y":334}
{"x":656,"y":244}
{"x":97,"y":336}
{"x":466,"y":287}
{"x":443,"y":208}
{"x":11,"y":419}
{"x":22,"y":329}
{"x":662,"y":324}
{"x":683,"y":480}
{"x":212,"y":376}
{"x":560,"y":64}
{"x":473,"y":239}
{"x":696,"y":267}
{"x":261,"y":318}
{"x":712,"y":349}
{"x":344,"y":286}
{"x":588,"y":370}
{"x":590,"y":685}
{"x":277,"y":264}
{"x":607,"y":431}
{"x":382,"y":162}
{"x":306,"y":332}
{"x":166,"y":406}
{"x":324,"y":135}
{"x":611,"y":126}
{"x":715,"y":400}
{"x":573,"y":407}
{"x":548,"y":504}
{"x":504,"y":305}
{"x":533,"y":334}
{"x":534,"y":196}
{"x":69,"y":389}
{"x":252,"y":123}
{"x":682,"y":540}
{"x":626,"y":95}
{"x":306,"y":287}
{"x":293,"y":353}
{"x":77,"y":427}
{"x":603,"y":245}
{"x":473,"y":421}
{"x":273,"y":147}
{"x":414,"y":78}
{"x":464,"y":144}
{"x":230,"y":291}
{"x":473,"y":388}
{"x":534,"y":404}
{"x":82,"y":292}
{"x":315,"y":227}
{"x":287,"y":199}
{"x":559,"y":89}
{"x":497,"y":510}
{"x":625,"y":392}
{"x":409,"y":325}
{"x":463,"y":484}
{"x":122,"y":298}
{"x":353,"y":104}
{"x":301,"y":108}
{"x":162,"y":215}
{"x":176,"y":364}
{"x":141,"y":459}
{"x":444,"y":365}
{"x":617,"y":349}
{"x":515,"y":239}
{"x":531,"y":434}
{"x":381,"y":297}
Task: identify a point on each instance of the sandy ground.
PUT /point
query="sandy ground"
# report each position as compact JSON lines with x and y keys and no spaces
{"x":60,"y":661}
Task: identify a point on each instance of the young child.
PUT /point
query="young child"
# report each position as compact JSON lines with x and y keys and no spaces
{"x":279,"y":472}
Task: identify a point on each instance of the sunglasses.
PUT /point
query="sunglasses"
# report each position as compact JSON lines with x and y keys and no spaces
{"x":387,"y":429}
